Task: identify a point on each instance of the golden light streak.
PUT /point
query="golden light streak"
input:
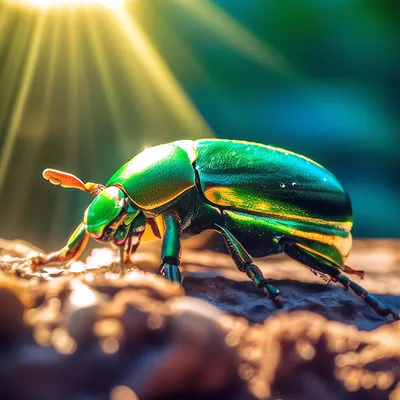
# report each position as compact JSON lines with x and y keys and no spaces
{"x":108,"y":85}
{"x":22,"y":96}
{"x":9,"y":78}
{"x":41,"y":124}
{"x":71,"y":136}
{"x":155,"y":92}
{"x":74,"y":87}
{"x":90,"y":117}
{"x":55,"y":44}
{"x":235,"y":35}
{"x":4,"y":21}
{"x":164,"y":81}
{"x":70,"y":3}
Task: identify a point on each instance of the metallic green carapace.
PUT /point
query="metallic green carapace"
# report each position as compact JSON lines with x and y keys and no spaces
{"x":263,"y":200}
{"x":266,"y":180}
{"x":156,"y":176}
{"x":107,"y":205}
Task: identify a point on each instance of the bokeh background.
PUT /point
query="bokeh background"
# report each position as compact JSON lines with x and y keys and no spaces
{"x":84,"y":87}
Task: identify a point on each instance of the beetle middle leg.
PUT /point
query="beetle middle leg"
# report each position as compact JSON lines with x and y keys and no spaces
{"x":316,"y":262}
{"x":171,"y":249}
{"x":245,"y":264}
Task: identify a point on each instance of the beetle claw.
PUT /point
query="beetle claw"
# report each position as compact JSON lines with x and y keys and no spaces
{"x":274,"y":294}
{"x":313,"y":271}
{"x":278,"y":300}
{"x":170,"y":271}
{"x":36,"y":263}
{"x":395,"y":315}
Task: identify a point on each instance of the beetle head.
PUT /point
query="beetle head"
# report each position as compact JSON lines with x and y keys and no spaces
{"x":111,"y":216}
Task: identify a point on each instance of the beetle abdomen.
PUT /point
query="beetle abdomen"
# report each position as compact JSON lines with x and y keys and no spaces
{"x":268,"y":181}
{"x":259,"y":234}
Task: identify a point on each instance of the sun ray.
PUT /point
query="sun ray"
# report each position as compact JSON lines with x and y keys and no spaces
{"x":54,"y":50}
{"x":11,"y":69}
{"x":112,"y":43}
{"x":17,"y":113}
{"x":60,"y":220}
{"x":41,"y":124}
{"x":90,"y":151}
{"x":163,"y":79}
{"x":236,"y":36}
{"x":72,"y":138}
{"x":109,"y":86}
{"x":4,"y":25}
{"x":45,"y":4}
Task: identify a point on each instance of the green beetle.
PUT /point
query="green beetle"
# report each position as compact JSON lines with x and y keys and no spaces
{"x":263,"y":200}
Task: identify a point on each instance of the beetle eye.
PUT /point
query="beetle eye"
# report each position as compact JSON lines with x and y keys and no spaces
{"x":120,"y":234}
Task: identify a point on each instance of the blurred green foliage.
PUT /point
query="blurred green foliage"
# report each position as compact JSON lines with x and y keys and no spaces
{"x":335,"y":98}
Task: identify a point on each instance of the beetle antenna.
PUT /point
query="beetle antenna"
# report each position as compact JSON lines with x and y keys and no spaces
{"x":67,"y":180}
{"x":94,"y":188}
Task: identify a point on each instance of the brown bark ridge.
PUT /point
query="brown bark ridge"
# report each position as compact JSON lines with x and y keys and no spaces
{"x":82,"y":332}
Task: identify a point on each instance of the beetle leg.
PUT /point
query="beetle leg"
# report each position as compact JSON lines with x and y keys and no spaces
{"x":350,"y":270}
{"x":122,"y":261}
{"x":316,"y":262}
{"x":75,"y":246}
{"x":127,"y":249}
{"x":171,"y":249}
{"x":370,"y":299}
{"x":245,"y":264}
{"x":132,"y":243}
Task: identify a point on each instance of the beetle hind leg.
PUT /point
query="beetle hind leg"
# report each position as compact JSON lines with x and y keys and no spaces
{"x":245,"y":264}
{"x":255,"y":274}
{"x":370,"y":299}
{"x":292,"y":249}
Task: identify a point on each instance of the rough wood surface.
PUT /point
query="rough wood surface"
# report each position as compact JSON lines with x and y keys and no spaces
{"x":84,"y":333}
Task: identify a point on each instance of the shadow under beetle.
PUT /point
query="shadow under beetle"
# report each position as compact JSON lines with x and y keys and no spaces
{"x":263,"y":200}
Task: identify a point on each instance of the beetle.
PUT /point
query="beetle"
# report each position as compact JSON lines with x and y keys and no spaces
{"x":263,"y":200}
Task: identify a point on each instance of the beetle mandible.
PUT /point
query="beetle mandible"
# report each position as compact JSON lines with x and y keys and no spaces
{"x":263,"y":200}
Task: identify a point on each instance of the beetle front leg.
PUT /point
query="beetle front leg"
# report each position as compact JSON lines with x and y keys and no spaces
{"x":76,"y":244}
{"x":171,"y":249}
{"x":127,"y":249}
{"x":245,"y":264}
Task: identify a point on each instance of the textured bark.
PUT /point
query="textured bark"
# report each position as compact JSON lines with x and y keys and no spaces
{"x":84,"y":333}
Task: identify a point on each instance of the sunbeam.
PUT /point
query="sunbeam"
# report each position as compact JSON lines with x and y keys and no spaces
{"x":102,"y":89}
{"x":163,"y":80}
{"x":74,"y":88}
{"x":69,"y":3}
{"x":109,"y":86}
{"x":23,"y":92}
{"x":41,"y":126}
{"x":11,"y":67}
{"x":235,"y":35}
